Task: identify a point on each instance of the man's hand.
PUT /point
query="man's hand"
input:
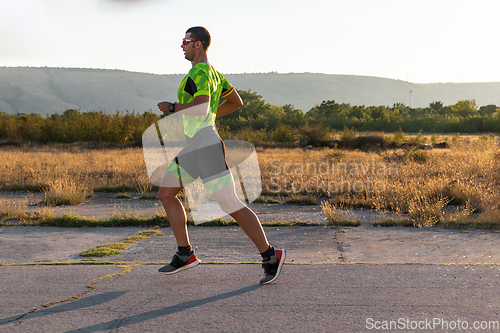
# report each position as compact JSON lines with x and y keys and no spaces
{"x":163,"y":106}
{"x":199,"y":107}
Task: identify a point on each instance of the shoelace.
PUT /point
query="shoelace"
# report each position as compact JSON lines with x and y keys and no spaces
{"x":270,"y":267}
{"x":177,"y":261}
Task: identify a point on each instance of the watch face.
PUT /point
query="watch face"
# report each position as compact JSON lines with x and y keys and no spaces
{"x":171,"y":107}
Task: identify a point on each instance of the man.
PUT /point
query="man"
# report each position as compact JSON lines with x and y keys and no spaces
{"x":204,"y":157}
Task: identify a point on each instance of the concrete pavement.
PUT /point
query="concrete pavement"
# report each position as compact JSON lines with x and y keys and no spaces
{"x":336,"y":280}
{"x":226,"y":298}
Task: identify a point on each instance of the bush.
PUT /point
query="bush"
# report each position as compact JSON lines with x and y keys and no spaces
{"x":284,"y":133}
{"x":314,"y":134}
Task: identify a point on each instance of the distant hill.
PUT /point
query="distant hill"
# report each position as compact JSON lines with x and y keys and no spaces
{"x":47,"y":90}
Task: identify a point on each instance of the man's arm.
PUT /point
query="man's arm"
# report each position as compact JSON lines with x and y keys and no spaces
{"x":199,"y":107}
{"x":232,"y":103}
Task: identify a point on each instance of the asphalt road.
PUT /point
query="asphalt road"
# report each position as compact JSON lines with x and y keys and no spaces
{"x":335,"y":280}
{"x":228,"y":298}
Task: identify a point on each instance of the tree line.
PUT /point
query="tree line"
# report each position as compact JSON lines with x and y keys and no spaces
{"x":257,"y":121}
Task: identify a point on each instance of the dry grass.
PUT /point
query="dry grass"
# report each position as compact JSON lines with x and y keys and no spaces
{"x":417,"y":183}
{"x":13,"y":210}
{"x":46,"y":168}
{"x":338,"y":216}
{"x":66,"y":192}
{"x":17,"y":210}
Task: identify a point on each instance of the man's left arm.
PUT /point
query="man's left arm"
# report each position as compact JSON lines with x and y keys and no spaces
{"x":232,"y":103}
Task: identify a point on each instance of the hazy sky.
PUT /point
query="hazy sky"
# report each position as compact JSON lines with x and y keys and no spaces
{"x":419,"y":41}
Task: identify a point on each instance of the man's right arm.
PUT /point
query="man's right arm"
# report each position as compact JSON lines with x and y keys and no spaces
{"x":232,"y":103}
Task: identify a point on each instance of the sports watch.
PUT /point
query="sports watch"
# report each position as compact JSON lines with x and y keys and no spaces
{"x":171,"y":108}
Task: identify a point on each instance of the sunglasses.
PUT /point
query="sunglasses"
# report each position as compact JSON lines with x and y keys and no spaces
{"x":186,"y":41}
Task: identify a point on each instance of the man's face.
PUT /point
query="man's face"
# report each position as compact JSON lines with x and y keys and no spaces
{"x":189,"y":49}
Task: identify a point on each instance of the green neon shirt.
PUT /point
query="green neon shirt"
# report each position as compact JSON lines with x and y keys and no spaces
{"x":202,"y":79}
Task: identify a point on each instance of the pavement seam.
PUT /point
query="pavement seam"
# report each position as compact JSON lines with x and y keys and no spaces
{"x":122,"y":263}
{"x":127,"y":268}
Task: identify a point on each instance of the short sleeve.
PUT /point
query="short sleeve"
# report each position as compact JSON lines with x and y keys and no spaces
{"x":201,"y":80}
{"x":227,"y":88}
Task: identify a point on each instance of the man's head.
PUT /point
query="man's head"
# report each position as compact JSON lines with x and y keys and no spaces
{"x":201,"y":34}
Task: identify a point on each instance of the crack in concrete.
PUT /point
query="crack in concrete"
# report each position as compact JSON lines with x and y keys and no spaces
{"x":340,"y":248}
{"x":126,"y":269}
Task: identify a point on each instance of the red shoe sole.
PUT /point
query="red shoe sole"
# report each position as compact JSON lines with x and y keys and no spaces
{"x":191,"y":263}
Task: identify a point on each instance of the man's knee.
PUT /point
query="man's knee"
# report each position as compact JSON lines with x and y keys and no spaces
{"x":228,"y":200}
{"x":167,"y":193}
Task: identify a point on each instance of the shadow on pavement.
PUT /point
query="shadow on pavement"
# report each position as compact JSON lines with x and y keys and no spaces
{"x":118,"y":323}
{"x":69,"y":306}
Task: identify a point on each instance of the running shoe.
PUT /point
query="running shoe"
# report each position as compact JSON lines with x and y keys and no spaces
{"x":272,"y":267}
{"x":180,"y":263}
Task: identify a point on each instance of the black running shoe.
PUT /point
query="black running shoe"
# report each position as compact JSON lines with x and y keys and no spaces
{"x":272,"y":267}
{"x":180,"y":263}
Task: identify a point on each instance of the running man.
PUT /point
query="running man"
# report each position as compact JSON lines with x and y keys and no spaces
{"x":204,"y":156}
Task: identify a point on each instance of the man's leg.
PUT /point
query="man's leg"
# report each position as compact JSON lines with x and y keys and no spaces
{"x":185,"y":257}
{"x":272,"y":259}
{"x":250,"y":224}
{"x":175,"y":212}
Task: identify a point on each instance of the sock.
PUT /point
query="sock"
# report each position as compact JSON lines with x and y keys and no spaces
{"x":268,"y":253}
{"x":184,"y":250}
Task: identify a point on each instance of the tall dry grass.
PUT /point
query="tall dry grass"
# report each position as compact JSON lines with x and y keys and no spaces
{"x":53,"y":169}
{"x":421,"y":184}
{"x":13,"y":209}
{"x":17,"y":210}
{"x":66,"y":191}
{"x":415,"y":182}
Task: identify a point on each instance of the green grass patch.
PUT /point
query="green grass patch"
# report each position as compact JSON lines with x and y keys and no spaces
{"x":75,"y":221}
{"x":149,"y":196}
{"x":215,"y":223}
{"x":114,"y":189}
{"x":24,"y":187}
{"x":123,"y":196}
{"x":302,"y":200}
{"x":260,"y":200}
{"x":394,"y":223}
{"x":462,"y":225}
{"x":263,"y":199}
{"x":290,"y":224}
{"x":111,"y":249}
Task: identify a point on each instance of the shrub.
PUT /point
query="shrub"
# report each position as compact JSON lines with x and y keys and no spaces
{"x":66,"y":192}
{"x":284,"y":133}
{"x":337,"y":216}
{"x":416,"y":155}
{"x":425,"y":212}
{"x":348,"y":134}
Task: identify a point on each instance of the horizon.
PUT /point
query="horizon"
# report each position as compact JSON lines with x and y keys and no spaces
{"x":272,"y":72}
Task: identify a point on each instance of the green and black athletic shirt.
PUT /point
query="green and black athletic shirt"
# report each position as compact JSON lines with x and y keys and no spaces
{"x":202,"y":79}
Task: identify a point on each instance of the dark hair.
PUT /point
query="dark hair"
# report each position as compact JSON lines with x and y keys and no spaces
{"x":200,"y":33}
